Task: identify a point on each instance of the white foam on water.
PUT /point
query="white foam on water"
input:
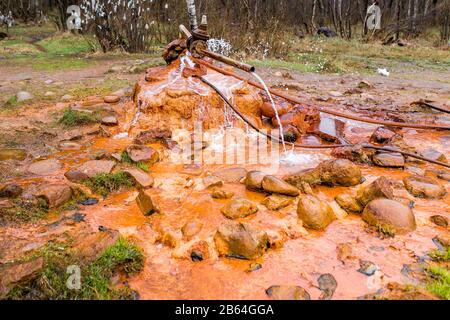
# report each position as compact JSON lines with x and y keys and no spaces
{"x":121,"y":135}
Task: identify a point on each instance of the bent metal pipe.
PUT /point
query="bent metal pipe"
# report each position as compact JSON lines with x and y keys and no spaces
{"x":332,"y":146}
{"x":322,"y":109}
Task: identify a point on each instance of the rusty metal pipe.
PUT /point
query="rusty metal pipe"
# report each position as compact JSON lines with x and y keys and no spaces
{"x":234,"y":63}
{"x":322,"y":109}
{"x":307,"y":146}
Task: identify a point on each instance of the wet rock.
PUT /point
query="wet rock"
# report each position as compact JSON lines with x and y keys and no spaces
{"x":54,"y":195}
{"x":444,"y":239}
{"x":439,"y":220}
{"x":368,"y":268}
{"x":143,"y":153}
{"x":277,"y":202}
{"x":153,"y":136}
{"x":196,"y":256}
{"x":199,"y":251}
{"x":190,"y":229}
{"x":340,"y":172}
{"x":10,"y":190}
{"x":273,"y":184}
{"x":111,"y":99}
{"x":307,"y":176}
{"x":22,"y":96}
{"x":90,"y":169}
{"x":145,"y":203}
{"x":89,"y":202}
{"x":386,"y":214}
{"x":444,"y":176}
{"x":253,"y":180}
{"x":212,"y":181}
{"x":222,"y":194}
{"x":254,"y":267}
{"x":348,"y":203}
{"x":380,"y":188}
{"x":142,"y":178}
{"x":365,"y":85}
{"x":327,"y":284}
{"x":239,"y":208}
{"x":240,"y":240}
{"x":14,"y":274}
{"x":288,"y":293}
{"x":389,"y":160}
{"x":355,"y":153}
{"x":231,"y":175}
{"x":344,"y":252}
{"x":91,"y":247}
{"x":383,"y":135}
{"x":45,"y":167}
{"x":290,"y":133}
{"x":315,"y":213}
{"x":109,"y":121}
{"x":434,"y":155}
{"x":12,"y":154}
{"x":424,"y":187}
{"x":328,"y":129}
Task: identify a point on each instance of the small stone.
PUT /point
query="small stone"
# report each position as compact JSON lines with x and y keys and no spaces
{"x":190,"y":229}
{"x":91,"y":169}
{"x":48,"y":81}
{"x":386,"y":214}
{"x":45,"y":167}
{"x":389,"y":160}
{"x":424,"y":187}
{"x":368,"y":268}
{"x":11,"y":190}
{"x":49,"y":94}
{"x":240,"y":240}
{"x":239,"y":208}
{"x":254,"y":267}
{"x":380,"y":188}
{"x":55,"y":195}
{"x":66,"y":98}
{"x":273,"y":184}
{"x":444,"y":239}
{"x":327,"y":284}
{"x":212,"y":181}
{"x":277,"y":202}
{"x":222,"y":194}
{"x":110,"y":121}
{"x":142,"y":178}
{"x":196,"y":256}
{"x":22,"y":96}
{"x":231,"y":175}
{"x":145,"y":203}
{"x":111,"y":99}
{"x":89,"y":202}
{"x":348,"y":203}
{"x":142,"y":153}
{"x":439,"y":220}
{"x":344,"y":252}
{"x":315,"y":213}
{"x":383,"y":135}
{"x":288,"y":293}
{"x":253,"y":180}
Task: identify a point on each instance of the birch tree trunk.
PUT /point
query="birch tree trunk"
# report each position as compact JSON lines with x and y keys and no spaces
{"x":192,"y":14}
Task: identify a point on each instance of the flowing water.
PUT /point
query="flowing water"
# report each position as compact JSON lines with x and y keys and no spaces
{"x":280,"y":126}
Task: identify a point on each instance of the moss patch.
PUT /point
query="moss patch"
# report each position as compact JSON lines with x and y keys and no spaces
{"x":51,"y":283}
{"x":439,"y":281}
{"x":73,"y":118}
{"x":105,"y":183}
{"x":23,"y":212}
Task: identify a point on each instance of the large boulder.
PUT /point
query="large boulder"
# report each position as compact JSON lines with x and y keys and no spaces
{"x":142,"y":153}
{"x":288,"y":293}
{"x":253,"y":180}
{"x":380,"y":188}
{"x":273,"y":184}
{"x":55,"y":195}
{"x":391,"y":215}
{"x":239,"y":208}
{"x":424,"y":187}
{"x":315,"y":213}
{"x":240,"y":240}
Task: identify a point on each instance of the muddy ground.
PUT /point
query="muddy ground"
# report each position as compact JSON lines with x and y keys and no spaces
{"x":298,"y":255}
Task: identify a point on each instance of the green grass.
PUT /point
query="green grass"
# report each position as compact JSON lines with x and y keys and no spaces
{"x":23,"y":212}
{"x":125,"y":157}
{"x":66,"y":44}
{"x":438,"y":255}
{"x":124,"y":256}
{"x":73,"y":118}
{"x":143,"y":166}
{"x":106,"y":183}
{"x":439,"y":281}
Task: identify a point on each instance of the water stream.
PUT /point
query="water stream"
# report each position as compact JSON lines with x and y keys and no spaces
{"x":273,"y":106}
